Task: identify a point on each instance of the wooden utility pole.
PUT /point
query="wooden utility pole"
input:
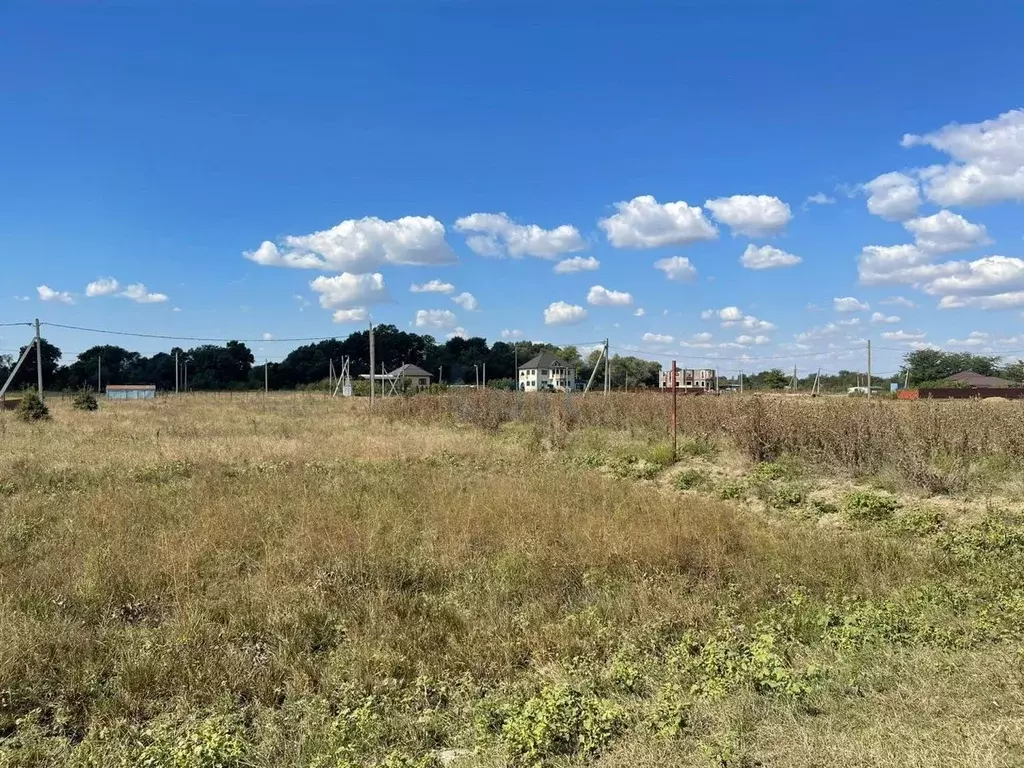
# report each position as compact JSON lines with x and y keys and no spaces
{"x":39,"y":361}
{"x":674,"y":396}
{"x":372,"y":364}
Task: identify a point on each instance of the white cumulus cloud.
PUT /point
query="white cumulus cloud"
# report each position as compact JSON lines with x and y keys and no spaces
{"x":1008,"y":300}
{"x":849,"y":304}
{"x":987,"y":161}
{"x":657,"y":338}
{"x":46,"y":293}
{"x":946,"y":232}
{"x":563,"y":313}
{"x":347,"y":290}
{"x":643,"y":222}
{"x":360,"y":246}
{"x":600,"y":296}
{"x":639,"y":312}
{"x":751,"y":215}
{"x":458,"y":332}
{"x":677,"y":268}
{"x":904,"y":335}
{"x":434,"y":286}
{"x":974,"y":339}
{"x":436,"y":318}
{"x":893,"y":196}
{"x":138,"y":293}
{"x":356,"y":315}
{"x":511,"y":333}
{"x":497,"y":235}
{"x":576,"y":264}
{"x":746,"y":340}
{"x":105,"y":286}
{"x":991,"y":274}
{"x":467,"y":301}
{"x":879,"y":317}
{"x":734,"y":317}
{"x":767,"y":257}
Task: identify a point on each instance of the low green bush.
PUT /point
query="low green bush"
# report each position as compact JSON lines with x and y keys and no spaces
{"x":787,"y":495}
{"x":869,"y":506}
{"x":731,"y":489}
{"x":690,"y":479}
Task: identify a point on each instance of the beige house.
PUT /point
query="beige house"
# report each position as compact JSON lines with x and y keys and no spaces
{"x":689,"y":378}
{"x":546,"y":373}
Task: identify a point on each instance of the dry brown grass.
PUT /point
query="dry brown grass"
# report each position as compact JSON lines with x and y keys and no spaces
{"x":285,"y":561}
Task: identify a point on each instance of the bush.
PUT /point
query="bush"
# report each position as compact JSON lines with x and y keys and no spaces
{"x":787,"y":496}
{"x":32,"y":408}
{"x":84,"y":401}
{"x":731,"y":489}
{"x":661,"y":454}
{"x":869,"y":505}
{"x":562,"y":721}
{"x":690,"y":479}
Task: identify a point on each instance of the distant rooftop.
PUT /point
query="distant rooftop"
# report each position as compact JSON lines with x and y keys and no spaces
{"x":977,"y":380}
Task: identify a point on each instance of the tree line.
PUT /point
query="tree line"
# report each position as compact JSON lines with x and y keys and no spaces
{"x":456,"y":361}
{"x":234,"y":366}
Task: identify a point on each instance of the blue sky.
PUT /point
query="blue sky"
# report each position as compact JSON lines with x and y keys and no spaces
{"x":156,"y":144}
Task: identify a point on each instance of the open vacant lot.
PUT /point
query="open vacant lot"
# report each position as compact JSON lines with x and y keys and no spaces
{"x":491,"y":580}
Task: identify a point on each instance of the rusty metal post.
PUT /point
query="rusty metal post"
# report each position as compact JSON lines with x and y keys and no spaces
{"x":674,"y":387}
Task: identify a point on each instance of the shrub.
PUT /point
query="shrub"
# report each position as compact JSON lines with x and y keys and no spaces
{"x":84,"y":401}
{"x":562,"y":721}
{"x":701,"y":446}
{"x":661,"y":454}
{"x":731,"y":489}
{"x":770,"y":470}
{"x":787,"y":496}
{"x":32,"y":408}
{"x":869,"y":506}
{"x":690,"y":479}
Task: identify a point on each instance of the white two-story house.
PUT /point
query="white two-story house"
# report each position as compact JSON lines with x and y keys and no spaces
{"x":546,"y":373}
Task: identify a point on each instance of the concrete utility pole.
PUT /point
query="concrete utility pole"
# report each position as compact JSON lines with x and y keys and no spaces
{"x":39,"y":361}
{"x":741,"y":381}
{"x":869,"y":367}
{"x":266,"y":377}
{"x":485,"y":375}
{"x":372,"y":366}
{"x":607,"y":369}
{"x":476,"y":372}
{"x":906,"y":379}
{"x":184,"y":372}
{"x":177,"y":372}
{"x":99,"y":374}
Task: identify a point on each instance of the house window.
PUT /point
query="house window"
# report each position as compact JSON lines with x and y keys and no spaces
{"x":423,"y":382}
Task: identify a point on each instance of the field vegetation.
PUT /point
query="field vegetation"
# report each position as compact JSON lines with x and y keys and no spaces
{"x":492,"y":580}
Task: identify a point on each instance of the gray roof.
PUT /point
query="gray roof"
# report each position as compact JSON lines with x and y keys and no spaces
{"x":544,"y":360}
{"x":409,"y":370}
{"x":977,"y":380}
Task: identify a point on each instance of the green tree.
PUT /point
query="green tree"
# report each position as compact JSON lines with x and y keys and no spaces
{"x":774,"y":379}
{"x":935,"y":365}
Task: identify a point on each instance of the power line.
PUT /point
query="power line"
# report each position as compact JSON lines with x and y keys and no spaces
{"x":183,"y":338}
{"x":11,"y":325}
{"x":743,"y":358}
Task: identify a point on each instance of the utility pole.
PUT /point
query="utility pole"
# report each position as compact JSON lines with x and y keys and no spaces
{"x":185,"y":372}
{"x":177,"y":372}
{"x":39,"y":361}
{"x":869,"y":367}
{"x":794,"y":378}
{"x":485,"y":376}
{"x":476,"y":372}
{"x":607,"y":369}
{"x":440,"y":371}
{"x":330,"y":375}
{"x":906,"y":379}
{"x":372,"y":364}
{"x":99,"y":374}
{"x":674,"y":396}
{"x":266,"y":377}
{"x":741,"y":381}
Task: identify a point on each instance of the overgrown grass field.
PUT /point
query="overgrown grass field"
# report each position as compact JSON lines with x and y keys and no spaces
{"x":491,"y":580}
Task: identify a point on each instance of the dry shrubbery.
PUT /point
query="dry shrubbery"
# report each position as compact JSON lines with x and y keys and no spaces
{"x":929,"y":443}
